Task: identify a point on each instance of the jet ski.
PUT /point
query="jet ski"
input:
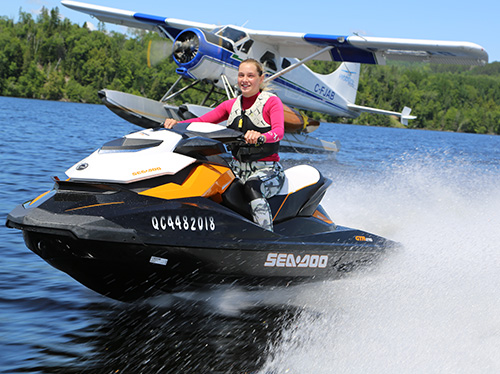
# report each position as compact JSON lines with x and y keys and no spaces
{"x":160,"y":211}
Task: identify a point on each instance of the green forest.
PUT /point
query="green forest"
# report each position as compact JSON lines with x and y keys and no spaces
{"x":53,"y":59}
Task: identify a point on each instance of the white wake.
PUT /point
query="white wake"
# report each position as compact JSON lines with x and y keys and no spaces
{"x":432,"y":308}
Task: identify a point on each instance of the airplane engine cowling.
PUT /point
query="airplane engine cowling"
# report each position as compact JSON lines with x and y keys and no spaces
{"x":199,"y":54}
{"x":186,"y":47}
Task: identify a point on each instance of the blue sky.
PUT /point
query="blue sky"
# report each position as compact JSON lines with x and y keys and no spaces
{"x":424,"y":19}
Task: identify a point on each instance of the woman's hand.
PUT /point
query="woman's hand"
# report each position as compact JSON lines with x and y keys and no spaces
{"x":169,"y":123}
{"x":252,"y":136}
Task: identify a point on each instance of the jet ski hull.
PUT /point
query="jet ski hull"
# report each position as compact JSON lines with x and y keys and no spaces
{"x":132,"y":272}
{"x":160,"y":256}
{"x":160,"y":211}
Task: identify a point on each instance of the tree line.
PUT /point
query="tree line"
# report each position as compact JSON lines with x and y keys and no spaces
{"x":51,"y":58}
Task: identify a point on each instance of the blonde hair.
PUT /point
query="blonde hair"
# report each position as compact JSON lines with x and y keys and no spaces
{"x":257,"y":64}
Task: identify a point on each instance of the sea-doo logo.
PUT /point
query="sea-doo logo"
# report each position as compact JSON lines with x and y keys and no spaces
{"x":146,"y":171}
{"x":82,"y":166}
{"x":288,"y":260}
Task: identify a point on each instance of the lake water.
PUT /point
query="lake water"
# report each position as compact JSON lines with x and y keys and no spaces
{"x":432,"y":308}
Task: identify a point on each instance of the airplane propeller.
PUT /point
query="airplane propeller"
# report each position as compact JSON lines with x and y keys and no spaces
{"x":158,"y":50}
{"x":186,"y":47}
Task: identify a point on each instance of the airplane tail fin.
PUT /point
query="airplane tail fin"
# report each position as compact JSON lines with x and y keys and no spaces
{"x":344,"y":81}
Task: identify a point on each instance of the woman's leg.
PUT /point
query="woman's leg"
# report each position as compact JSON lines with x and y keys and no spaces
{"x":262,"y":180}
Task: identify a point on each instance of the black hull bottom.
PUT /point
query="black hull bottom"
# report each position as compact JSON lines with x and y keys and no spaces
{"x":129,"y":272}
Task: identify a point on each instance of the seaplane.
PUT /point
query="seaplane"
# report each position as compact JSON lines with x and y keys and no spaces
{"x":211,"y":54}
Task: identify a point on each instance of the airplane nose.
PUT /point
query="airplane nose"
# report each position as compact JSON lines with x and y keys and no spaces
{"x":186,"y":47}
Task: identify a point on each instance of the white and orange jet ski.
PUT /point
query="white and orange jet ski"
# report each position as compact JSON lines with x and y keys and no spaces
{"x":160,"y":211}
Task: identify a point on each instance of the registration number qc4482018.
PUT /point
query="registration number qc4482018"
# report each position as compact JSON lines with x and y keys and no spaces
{"x":183,"y":223}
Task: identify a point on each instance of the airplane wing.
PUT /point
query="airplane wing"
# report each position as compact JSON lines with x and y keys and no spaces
{"x":354,"y":48}
{"x":137,"y":20}
{"x":372,"y":50}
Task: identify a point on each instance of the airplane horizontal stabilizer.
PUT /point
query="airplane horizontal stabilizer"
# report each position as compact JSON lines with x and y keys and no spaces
{"x":404,"y":116}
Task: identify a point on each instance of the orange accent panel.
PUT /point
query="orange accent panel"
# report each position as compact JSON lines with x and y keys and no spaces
{"x":322,"y":217}
{"x":94,"y":205}
{"x":39,"y":197}
{"x":205,"y":180}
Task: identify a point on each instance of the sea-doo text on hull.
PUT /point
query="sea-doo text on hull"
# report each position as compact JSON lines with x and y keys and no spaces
{"x":160,"y":211}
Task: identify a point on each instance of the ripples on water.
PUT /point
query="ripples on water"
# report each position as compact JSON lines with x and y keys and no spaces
{"x":433,"y":308}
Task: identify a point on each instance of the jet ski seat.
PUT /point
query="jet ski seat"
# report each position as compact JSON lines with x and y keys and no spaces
{"x":300,"y":195}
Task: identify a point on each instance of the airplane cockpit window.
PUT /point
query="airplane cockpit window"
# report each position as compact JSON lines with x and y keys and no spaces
{"x":285,"y":63}
{"x":232,"y":34}
{"x":269,"y":60}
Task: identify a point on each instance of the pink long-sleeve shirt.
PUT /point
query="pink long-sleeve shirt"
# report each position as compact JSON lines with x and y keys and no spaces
{"x":273,"y":114}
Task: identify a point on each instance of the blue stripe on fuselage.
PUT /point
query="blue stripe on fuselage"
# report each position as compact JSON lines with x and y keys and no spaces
{"x":291,"y":86}
{"x":231,"y":61}
{"x":205,"y":48}
{"x":217,"y":53}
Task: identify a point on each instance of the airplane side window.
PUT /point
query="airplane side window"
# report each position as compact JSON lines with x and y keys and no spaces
{"x":246,"y":46}
{"x":268,"y":59}
{"x":285,"y":63}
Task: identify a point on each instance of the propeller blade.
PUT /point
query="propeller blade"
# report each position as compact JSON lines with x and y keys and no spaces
{"x":158,"y":50}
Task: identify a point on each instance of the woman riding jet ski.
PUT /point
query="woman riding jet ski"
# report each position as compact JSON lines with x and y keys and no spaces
{"x":260,"y":117}
{"x":160,"y":211}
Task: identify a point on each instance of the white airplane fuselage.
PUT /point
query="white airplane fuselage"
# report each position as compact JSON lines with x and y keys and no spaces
{"x":213,"y":53}
{"x":300,"y":87}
